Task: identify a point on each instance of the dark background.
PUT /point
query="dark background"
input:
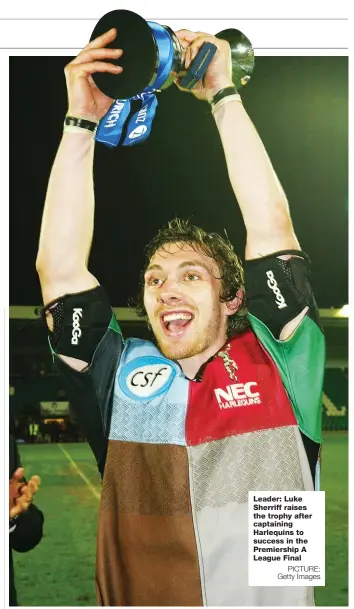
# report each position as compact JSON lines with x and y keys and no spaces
{"x":300,"y":108}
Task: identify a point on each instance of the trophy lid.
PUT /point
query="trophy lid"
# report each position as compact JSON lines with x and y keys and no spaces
{"x":242,"y":55}
{"x":136,"y":39}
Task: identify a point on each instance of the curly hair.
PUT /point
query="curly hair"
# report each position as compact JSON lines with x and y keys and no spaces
{"x":210,"y":244}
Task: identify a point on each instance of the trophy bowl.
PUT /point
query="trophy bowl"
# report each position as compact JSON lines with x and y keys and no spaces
{"x":153,"y":56}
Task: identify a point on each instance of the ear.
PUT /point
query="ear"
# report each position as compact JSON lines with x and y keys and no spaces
{"x":233,"y":305}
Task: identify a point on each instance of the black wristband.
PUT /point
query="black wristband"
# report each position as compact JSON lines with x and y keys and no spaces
{"x":221,"y":94}
{"x":80,"y":122}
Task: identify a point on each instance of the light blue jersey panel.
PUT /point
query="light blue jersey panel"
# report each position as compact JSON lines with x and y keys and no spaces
{"x":150,"y":397}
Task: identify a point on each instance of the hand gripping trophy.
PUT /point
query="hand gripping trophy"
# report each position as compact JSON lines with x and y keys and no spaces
{"x":153,"y":59}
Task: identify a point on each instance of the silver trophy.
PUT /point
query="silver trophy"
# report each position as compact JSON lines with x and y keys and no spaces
{"x":153,"y":57}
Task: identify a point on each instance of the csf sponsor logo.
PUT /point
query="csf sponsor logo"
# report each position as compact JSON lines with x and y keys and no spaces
{"x":272,"y":284}
{"x":76,"y":332}
{"x":238,"y":394}
{"x":146,"y":377}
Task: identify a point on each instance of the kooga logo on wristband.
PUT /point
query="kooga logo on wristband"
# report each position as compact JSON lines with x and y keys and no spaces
{"x":76,"y":333}
{"x":272,"y":284}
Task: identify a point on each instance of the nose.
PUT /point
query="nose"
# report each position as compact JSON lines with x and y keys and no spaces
{"x":169,"y":295}
{"x":169,"y":299}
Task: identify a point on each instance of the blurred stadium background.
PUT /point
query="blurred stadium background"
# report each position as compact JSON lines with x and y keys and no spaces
{"x":60,"y":570}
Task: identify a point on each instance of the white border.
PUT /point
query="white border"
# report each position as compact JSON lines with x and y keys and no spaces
{"x":300,"y":28}
{"x":160,"y":9}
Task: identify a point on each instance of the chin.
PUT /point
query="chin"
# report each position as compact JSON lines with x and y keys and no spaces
{"x":194,"y":342}
{"x":172,"y":353}
{"x":180,"y":351}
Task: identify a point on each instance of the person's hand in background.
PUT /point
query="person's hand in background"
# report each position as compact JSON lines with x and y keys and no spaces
{"x":21,"y":492}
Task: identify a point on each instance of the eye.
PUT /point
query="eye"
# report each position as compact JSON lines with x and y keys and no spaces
{"x":192,"y":276}
{"x":153,"y":282}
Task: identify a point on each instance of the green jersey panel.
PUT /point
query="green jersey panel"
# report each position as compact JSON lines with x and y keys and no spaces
{"x":301,"y":362}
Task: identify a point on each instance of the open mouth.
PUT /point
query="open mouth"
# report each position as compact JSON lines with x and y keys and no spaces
{"x":176,"y":323}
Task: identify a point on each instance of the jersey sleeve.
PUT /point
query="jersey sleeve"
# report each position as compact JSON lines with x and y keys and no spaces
{"x":85,"y":327}
{"x":277,"y":291}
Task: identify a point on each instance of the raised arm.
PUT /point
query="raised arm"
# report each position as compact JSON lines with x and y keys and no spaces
{"x":259,"y":194}
{"x":258,"y":191}
{"x":68,"y":217}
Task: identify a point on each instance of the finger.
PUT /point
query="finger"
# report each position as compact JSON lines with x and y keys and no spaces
{"x":93,"y":54}
{"x":14,"y":511}
{"x":96,"y":66}
{"x":181,"y":88}
{"x":178,"y":81}
{"x":23,"y":505}
{"x":31,"y":487}
{"x":19,"y":508}
{"x":18,"y":474}
{"x":102,"y":40}
{"x":26,"y":498}
{"x":21,"y":486}
{"x":185,"y":37}
{"x":187,"y":58}
{"x":14,"y":492}
{"x":197,"y":44}
{"x":30,"y":491}
{"x":27,"y":491}
{"x":204,"y":34}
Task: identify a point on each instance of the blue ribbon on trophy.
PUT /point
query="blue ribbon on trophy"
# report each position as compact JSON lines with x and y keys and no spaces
{"x":111,"y":126}
{"x":152,"y":59}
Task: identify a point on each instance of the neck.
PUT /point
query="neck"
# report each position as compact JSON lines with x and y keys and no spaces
{"x":191,"y":365}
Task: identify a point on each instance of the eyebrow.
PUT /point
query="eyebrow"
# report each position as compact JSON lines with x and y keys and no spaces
{"x":199,"y":263}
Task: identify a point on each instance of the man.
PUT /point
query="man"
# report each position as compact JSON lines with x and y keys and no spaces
{"x":183,"y":430}
{"x":26,"y":520}
{"x":33,"y":431}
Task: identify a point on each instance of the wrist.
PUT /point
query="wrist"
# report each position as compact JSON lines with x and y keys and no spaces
{"x":73,"y":124}
{"x":86,"y":116}
{"x":224,"y":96}
{"x":78,"y":134}
{"x":216,"y":88}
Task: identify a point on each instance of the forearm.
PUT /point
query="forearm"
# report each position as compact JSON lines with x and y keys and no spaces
{"x":67,"y":224}
{"x":258,"y":191}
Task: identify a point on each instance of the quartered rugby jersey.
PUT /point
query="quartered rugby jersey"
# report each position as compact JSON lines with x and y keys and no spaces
{"x":182,"y":456}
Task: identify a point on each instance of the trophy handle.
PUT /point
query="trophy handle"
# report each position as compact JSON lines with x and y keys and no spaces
{"x":242,"y":56}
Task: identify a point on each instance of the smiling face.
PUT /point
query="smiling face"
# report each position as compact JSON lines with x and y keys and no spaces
{"x":182,"y":300}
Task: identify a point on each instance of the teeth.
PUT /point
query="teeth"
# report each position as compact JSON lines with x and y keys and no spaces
{"x":175,"y":316}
